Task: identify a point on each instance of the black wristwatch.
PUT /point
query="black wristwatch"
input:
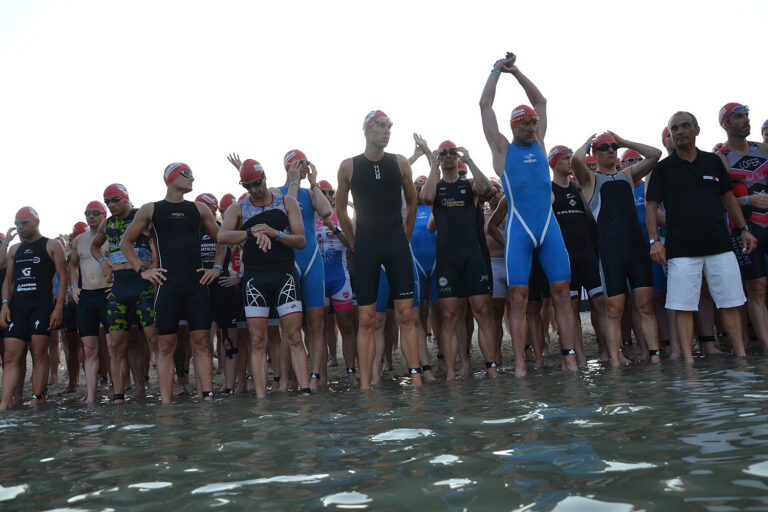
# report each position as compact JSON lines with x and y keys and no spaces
{"x":249,"y":234}
{"x":745,"y":228}
{"x":336,"y":230}
{"x":142,"y":269}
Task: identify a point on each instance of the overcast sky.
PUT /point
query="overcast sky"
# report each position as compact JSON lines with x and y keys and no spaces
{"x":101,"y":92}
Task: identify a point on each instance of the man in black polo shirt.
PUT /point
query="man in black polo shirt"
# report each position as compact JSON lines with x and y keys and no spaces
{"x":694,"y":187}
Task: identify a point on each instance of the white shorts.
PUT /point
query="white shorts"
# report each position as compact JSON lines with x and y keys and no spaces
{"x":723,"y":279}
{"x":499,"y":270}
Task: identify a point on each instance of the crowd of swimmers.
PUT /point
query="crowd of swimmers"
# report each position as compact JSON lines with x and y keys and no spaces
{"x":671,"y":249}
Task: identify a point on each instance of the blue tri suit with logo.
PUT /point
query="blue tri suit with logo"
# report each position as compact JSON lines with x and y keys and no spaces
{"x":309,"y":261}
{"x":530,"y":222}
{"x":424,"y":246}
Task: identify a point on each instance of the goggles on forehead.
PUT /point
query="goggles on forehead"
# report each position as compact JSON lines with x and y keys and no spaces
{"x":740,"y":109}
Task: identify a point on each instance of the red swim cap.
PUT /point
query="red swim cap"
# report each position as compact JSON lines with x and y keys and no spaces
{"x":717,"y":147}
{"x":27,"y":213}
{"x":245,"y":194}
{"x":97,"y":205}
{"x":61,"y":241}
{"x":208,"y":200}
{"x":521,"y":114}
{"x":226,"y":201}
{"x":589,"y":160}
{"x":461,"y":166}
{"x":420,"y":180}
{"x":292,"y":155}
{"x":324,"y":185}
{"x":664,"y":135}
{"x":602,"y":139}
{"x":374,"y":116}
{"x":173,"y":171}
{"x":728,"y":110}
{"x":446,"y":144}
{"x":250,"y":171}
{"x":78,"y":229}
{"x":556,"y":153}
{"x":116,"y":190}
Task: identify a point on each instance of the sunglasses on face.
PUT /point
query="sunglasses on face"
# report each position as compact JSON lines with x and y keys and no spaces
{"x":186,"y":173}
{"x":252,"y":184}
{"x":108,"y":200}
{"x":592,"y":166}
{"x":605,"y":146}
{"x":95,"y":213}
{"x":20,"y":223}
{"x":328,"y":192}
{"x":448,"y":151}
{"x":633,"y":160}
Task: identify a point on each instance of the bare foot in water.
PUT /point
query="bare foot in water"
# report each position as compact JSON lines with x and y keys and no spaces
{"x":709,"y":348}
{"x":520,"y":371}
{"x":427,"y":376}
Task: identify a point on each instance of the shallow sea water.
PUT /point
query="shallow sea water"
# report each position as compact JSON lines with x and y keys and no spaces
{"x":640,"y":438}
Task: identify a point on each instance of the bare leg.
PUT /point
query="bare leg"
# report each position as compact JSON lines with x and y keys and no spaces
{"x":366,"y":348}
{"x":486,"y":336}
{"x":517,"y":326}
{"x":346,"y":328}
{"x":331,"y":339}
{"x":684,"y":325}
{"x":732,"y":324}
{"x":12,"y":359}
{"x":290,"y":327}
{"x":448,"y":339}
{"x":757,"y":310}
{"x":117,"y":342}
{"x":40,"y":366}
{"x":73,"y":350}
{"x":614,"y":308}
{"x":54,"y":357}
{"x":318,"y":355}
{"x":643,"y":298}
{"x":166,"y":348}
{"x":409,"y":343}
{"x":498,"y":321}
{"x":463,"y":340}
{"x":420,"y":315}
{"x":201,"y":349}
{"x":91,"y":350}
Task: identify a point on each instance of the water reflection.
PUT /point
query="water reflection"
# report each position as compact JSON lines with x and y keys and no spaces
{"x":643,"y":437}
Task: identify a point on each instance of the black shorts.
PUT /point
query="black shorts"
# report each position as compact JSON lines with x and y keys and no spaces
{"x":461,"y":273}
{"x":752,"y":265}
{"x":622,"y":260}
{"x":176,"y":301}
{"x":225,"y":305}
{"x":70,"y":318}
{"x":30,"y":316}
{"x":585,"y":271}
{"x":538,"y":284}
{"x":132,"y":299}
{"x":92,"y":311}
{"x":370,"y":254}
{"x":265,"y":287}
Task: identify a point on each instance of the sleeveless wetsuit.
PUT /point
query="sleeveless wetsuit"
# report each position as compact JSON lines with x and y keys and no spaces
{"x":379,"y":235}
{"x":530,"y":222}
{"x":574,"y":225}
{"x":462,"y":268}
{"x":749,"y":173}
{"x":32,"y":298}
{"x":424,"y":246}
{"x":338,"y":287}
{"x":225,"y":302}
{"x":624,"y":251}
{"x":132,"y":298}
{"x":269,"y":279}
{"x":177,"y":229}
{"x":309,"y":262}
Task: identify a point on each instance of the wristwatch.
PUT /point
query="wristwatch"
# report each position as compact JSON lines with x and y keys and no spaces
{"x":653,"y":240}
{"x":142,"y":269}
{"x":336,"y":230}
{"x":745,"y":228}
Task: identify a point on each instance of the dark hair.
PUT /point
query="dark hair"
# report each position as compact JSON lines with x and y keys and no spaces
{"x":695,"y":121}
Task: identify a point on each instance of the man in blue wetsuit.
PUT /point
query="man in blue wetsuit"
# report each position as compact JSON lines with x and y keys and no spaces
{"x":531,"y":226}
{"x":309,"y":261}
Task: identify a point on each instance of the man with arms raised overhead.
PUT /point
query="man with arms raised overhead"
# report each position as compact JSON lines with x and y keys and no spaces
{"x":522,"y":166}
{"x":29,"y":310}
{"x":378,"y":181}
{"x":182,"y":293}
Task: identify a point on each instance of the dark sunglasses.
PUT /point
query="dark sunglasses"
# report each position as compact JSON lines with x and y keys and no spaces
{"x":605,"y":146}
{"x":186,"y":173}
{"x":633,"y":160}
{"x":22,"y":222}
{"x":256,"y":183}
{"x":95,"y":213}
{"x":115,"y":199}
{"x":448,"y":151}
{"x":328,"y":192}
